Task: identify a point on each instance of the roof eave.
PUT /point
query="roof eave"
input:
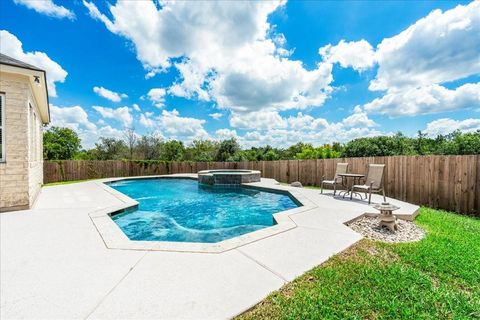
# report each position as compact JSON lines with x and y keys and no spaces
{"x":39,"y":91}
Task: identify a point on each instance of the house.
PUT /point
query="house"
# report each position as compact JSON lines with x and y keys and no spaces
{"x":23,"y":112}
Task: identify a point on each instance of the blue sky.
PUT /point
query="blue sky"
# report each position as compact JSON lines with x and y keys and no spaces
{"x":263,"y":72}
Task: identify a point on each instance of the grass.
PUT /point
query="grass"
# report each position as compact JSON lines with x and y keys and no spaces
{"x":65,"y":182}
{"x":435,"y":278}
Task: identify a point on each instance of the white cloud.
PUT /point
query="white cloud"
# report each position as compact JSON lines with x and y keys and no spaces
{"x":192,"y":84}
{"x":216,"y":115}
{"x":121,"y":114}
{"x":257,"y":120}
{"x":273,"y":120}
{"x":48,"y":8}
{"x":76,"y":119}
{"x":441,"y":47}
{"x":427,"y":99}
{"x":414,"y":65}
{"x":446,"y":126}
{"x":285,"y":131}
{"x":306,"y":122}
{"x":11,"y":46}
{"x":181,"y":29}
{"x":359,"y":118}
{"x":108,"y":94}
{"x":70,"y":117}
{"x":285,"y":137}
{"x":186,"y":129}
{"x":224,"y":134}
{"x":280,"y":39}
{"x":168,"y":124}
{"x":171,"y":125}
{"x":136,"y":107}
{"x":263,"y":82}
{"x":293,"y":129}
{"x":90,"y":137}
{"x":146,"y":120}
{"x":356,"y":54}
{"x":157,"y":96}
{"x":242,"y":68}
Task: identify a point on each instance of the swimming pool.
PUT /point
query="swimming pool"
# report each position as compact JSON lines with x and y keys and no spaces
{"x":183,"y":210}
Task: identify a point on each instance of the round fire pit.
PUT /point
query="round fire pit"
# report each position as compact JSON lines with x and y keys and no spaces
{"x":386,"y":216}
{"x":228,"y":177}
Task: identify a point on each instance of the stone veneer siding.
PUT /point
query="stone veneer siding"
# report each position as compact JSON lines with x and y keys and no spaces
{"x":21,"y":175}
{"x":212,"y":178}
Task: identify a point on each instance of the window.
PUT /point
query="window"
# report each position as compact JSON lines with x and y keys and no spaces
{"x":2,"y":127}
{"x":35,"y":132}
{"x":40,"y":141}
{"x":31,"y":134}
{"x":34,"y":135}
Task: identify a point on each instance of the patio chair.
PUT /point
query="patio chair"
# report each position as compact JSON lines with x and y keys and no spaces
{"x":373,"y":182}
{"x":341,"y":168}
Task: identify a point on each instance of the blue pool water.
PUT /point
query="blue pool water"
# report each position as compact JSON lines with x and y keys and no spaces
{"x":183,"y":210}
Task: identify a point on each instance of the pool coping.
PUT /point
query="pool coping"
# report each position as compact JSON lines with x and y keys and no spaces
{"x":114,"y":238}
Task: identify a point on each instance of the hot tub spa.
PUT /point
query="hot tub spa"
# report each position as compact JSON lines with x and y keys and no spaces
{"x":228,"y":177}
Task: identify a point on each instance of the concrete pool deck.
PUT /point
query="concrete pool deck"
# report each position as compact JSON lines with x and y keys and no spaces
{"x":55,"y":264}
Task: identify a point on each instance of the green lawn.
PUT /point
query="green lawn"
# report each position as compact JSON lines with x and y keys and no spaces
{"x":436,"y":278}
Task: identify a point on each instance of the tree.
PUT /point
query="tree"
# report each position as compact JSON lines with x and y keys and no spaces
{"x":201,"y":150}
{"x":308,"y":152}
{"x":85,"y":155}
{"x":379,"y":146}
{"x":267,"y":153}
{"x":246,"y":155}
{"x":323,"y":152}
{"x":172,"y":150}
{"x":149,"y":147}
{"x":337,"y":147}
{"x":422,"y":143}
{"x":468,"y":143}
{"x":60,"y":144}
{"x":227,"y":149}
{"x":152,"y":147}
{"x":270,"y":155}
{"x":458,"y":143}
{"x":293,"y":150}
{"x":131,"y":139}
{"x":109,"y":149}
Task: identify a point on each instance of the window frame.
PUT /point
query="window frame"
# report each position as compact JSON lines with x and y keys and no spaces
{"x":3,"y":157}
{"x":31,"y":132}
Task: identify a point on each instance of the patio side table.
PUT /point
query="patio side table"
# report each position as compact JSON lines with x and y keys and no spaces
{"x":355,"y":178}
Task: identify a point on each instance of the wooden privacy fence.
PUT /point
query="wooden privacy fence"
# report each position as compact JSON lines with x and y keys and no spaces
{"x":446,"y":182}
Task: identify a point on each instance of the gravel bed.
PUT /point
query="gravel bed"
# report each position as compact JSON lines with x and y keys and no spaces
{"x":369,"y":228}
